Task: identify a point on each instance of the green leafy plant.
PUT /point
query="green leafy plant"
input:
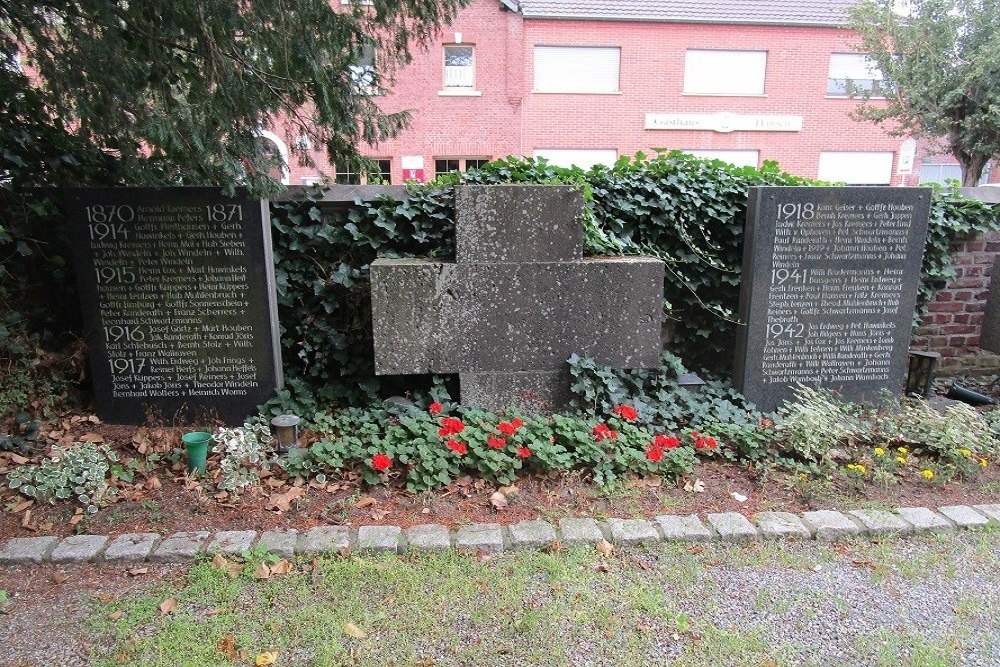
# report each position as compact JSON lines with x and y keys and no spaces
{"x":814,"y":423}
{"x":79,"y":471}
{"x":245,"y":451}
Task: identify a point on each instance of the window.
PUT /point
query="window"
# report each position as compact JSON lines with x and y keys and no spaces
{"x":369,"y":171}
{"x":939,"y":173}
{"x":577,"y":69}
{"x":446,"y":165}
{"x":853,"y":74}
{"x":856,"y":168}
{"x":380,"y":172}
{"x":582,"y":158}
{"x":735,"y":158}
{"x":363,"y":72}
{"x":459,"y":67}
{"x":714,"y":72}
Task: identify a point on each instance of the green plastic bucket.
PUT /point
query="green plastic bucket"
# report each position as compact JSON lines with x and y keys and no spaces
{"x":196,"y":444}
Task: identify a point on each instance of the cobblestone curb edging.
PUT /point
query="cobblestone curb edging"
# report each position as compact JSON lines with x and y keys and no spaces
{"x":494,"y":538}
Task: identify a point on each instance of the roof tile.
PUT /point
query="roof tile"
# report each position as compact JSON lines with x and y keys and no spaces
{"x":757,"y":12}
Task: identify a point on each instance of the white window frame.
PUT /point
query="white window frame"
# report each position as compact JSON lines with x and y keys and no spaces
{"x":592,"y":70}
{"x":856,"y":167}
{"x":725,"y":72}
{"x":858,"y":75}
{"x":463,"y":163}
{"x":451,"y":84}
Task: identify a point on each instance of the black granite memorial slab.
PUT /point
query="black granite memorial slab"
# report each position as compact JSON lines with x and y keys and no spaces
{"x":179,"y":304}
{"x":830,"y":279}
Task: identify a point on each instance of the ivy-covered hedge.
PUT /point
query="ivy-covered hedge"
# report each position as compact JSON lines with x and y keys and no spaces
{"x":688,"y":212}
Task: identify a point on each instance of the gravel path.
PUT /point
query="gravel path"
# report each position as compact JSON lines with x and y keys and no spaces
{"x":916,"y":601}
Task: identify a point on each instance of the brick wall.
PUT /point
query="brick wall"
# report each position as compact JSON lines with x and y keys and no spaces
{"x":509,"y":119}
{"x":954,"y":319}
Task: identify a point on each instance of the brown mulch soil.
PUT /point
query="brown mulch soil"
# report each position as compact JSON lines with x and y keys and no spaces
{"x":164,"y":500}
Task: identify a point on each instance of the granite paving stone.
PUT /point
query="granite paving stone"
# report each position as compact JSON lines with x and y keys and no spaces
{"x":924,"y":519}
{"x":882,"y":522}
{"x":180,"y":547}
{"x":485,"y":537}
{"x":78,"y":549}
{"x":27,"y":549}
{"x":380,"y":538}
{"x":280,"y":542}
{"x":781,"y":525}
{"x":964,"y":516}
{"x":232,"y":542}
{"x":326,"y":538}
{"x":131,"y":548}
{"x":580,"y":531}
{"x":990,"y":511}
{"x":831,"y":525}
{"x":733,"y":527}
{"x":684,"y":528}
{"x":532,"y":534}
{"x":633,"y":531}
{"x":430,"y":537}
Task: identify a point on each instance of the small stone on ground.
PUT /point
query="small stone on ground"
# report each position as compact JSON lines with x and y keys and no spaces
{"x":380,"y":538}
{"x":881,"y":522}
{"x":485,"y":537}
{"x":431,"y":537}
{"x":280,"y":542}
{"x":778,"y":525}
{"x":532,"y":534}
{"x":963,"y":516}
{"x":27,"y":549}
{"x":326,"y":538}
{"x":633,"y":531}
{"x":232,"y":542}
{"x":131,"y":548}
{"x":78,"y":549}
{"x":180,"y":547}
{"x":733,"y":527}
{"x":830,"y":525}
{"x":684,"y":528}
{"x":925,"y":519}
{"x":580,"y":531}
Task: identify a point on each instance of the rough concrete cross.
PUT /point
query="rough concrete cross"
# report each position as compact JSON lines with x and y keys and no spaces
{"x":517,"y":302}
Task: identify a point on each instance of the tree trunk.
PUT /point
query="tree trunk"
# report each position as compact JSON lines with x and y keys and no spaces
{"x":972,"y":168}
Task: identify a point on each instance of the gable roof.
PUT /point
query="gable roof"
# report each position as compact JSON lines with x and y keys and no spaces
{"x":755,"y":12}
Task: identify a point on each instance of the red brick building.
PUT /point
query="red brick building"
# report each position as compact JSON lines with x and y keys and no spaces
{"x":585,"y":81}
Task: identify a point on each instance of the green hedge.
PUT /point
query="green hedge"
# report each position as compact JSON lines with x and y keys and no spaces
{"x":686,"y":211}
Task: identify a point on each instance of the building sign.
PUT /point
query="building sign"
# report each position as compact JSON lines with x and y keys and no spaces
{"x":413,"y":168}
{"x":723,"y":122}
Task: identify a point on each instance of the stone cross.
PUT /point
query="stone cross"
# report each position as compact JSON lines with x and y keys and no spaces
{"x":517,"y":302}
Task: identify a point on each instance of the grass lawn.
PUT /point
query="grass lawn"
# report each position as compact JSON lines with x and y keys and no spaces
{"x":711,"y":605}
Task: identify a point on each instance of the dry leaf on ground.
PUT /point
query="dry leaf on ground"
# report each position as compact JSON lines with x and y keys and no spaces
{"x":266,"y":658}
{"x":605,"y":547}
{"x":498,"y":501}
{"x":354,"y":631}
{"x":282,"y":502}
{"x":168,"y":606}
{"x":282,"y":567}
{"x":227,"y":647}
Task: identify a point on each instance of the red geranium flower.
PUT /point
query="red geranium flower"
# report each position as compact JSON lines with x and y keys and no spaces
{"x":666,"y":441}
{"x":523,"y":452}
{"x":434,"y":408}
{"x":516,"y":423}
{"x":654,"y":453}
{"x":381,"y":462}
{"x":451,"y":426}
{"x":705,"y":442}
{"x":604,"y":432}
{"x":507,"y":428}
{"x":496,"y":443}
{"x":457,"y":447}
{"x":626,"y":412}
